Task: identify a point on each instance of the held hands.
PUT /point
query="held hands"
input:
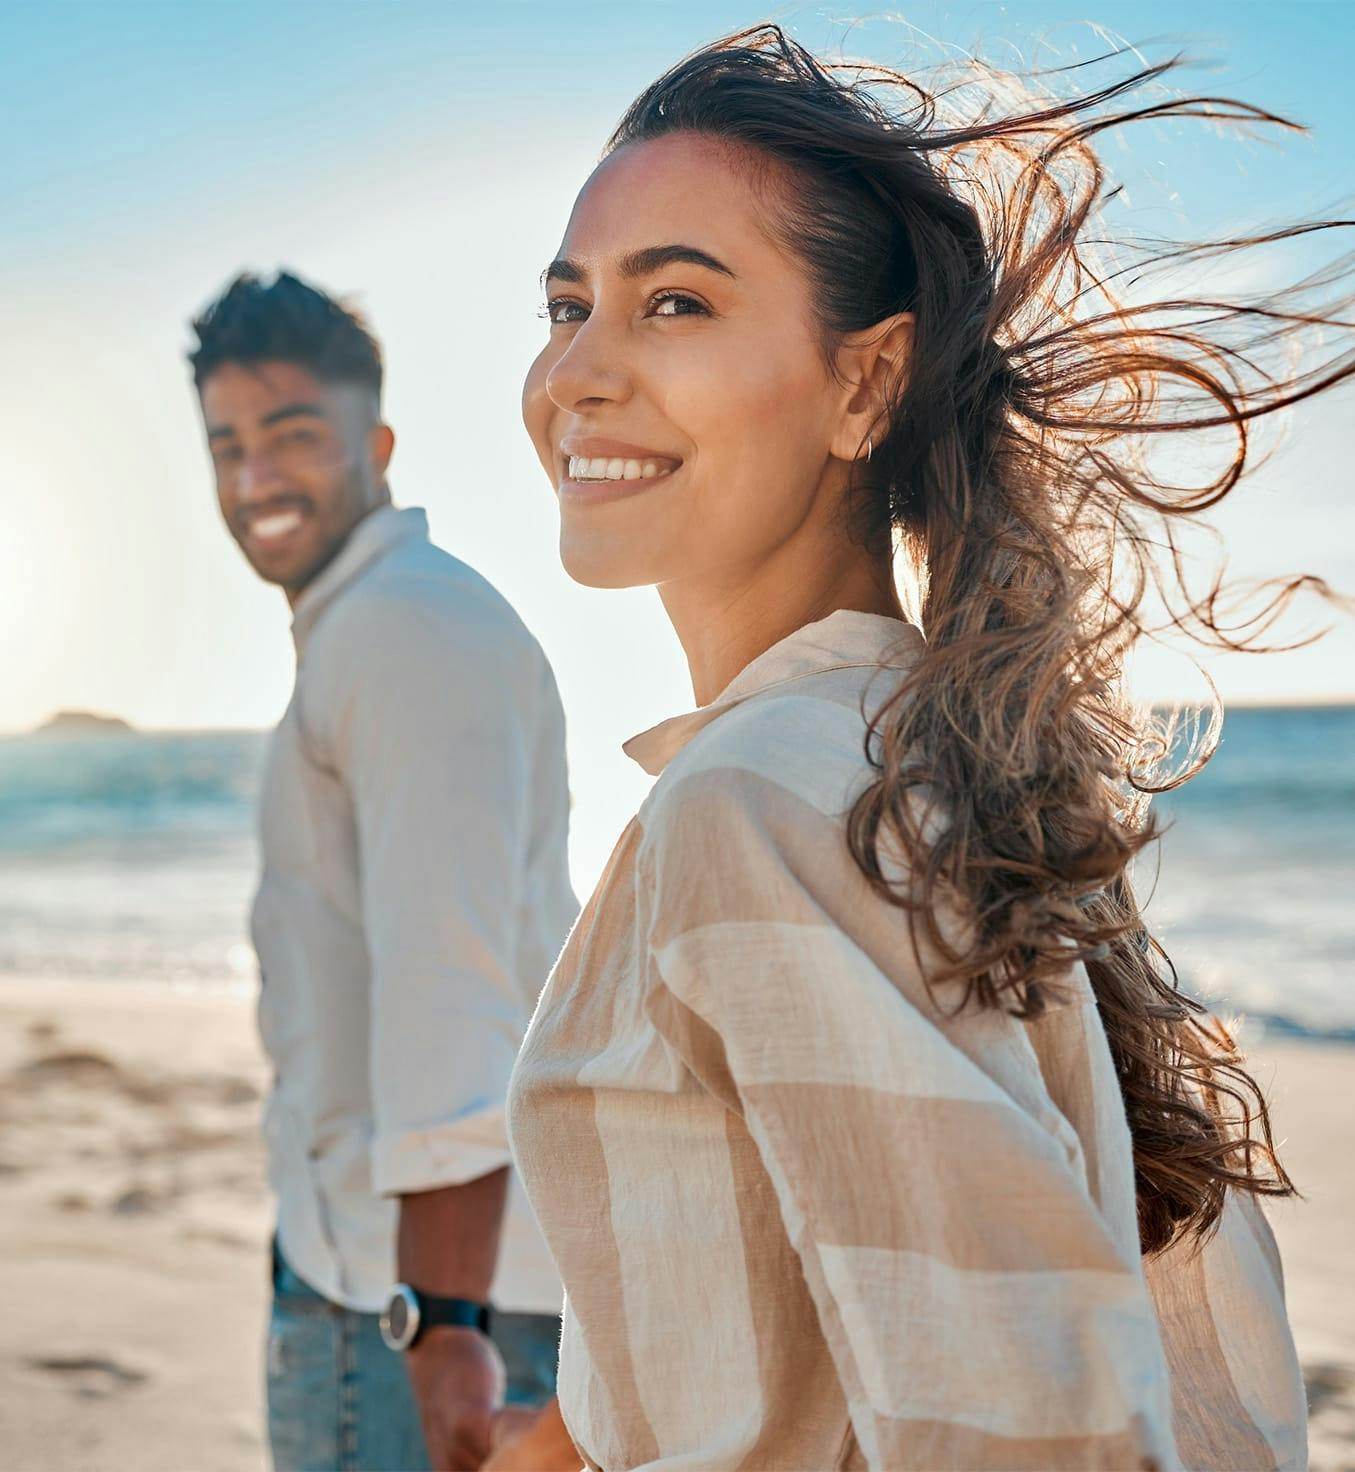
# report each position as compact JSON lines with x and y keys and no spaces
{"x":458,"y":1379}
{"x":532,"y":1441}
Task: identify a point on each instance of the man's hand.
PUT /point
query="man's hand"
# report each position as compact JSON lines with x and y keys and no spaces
{"x":447,"y":1243}
{"x":532,"y":1441}
{"x":458,"y":1380}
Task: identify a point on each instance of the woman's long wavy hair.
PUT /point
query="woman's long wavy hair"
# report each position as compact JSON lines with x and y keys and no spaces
{"x":1012,"y":467}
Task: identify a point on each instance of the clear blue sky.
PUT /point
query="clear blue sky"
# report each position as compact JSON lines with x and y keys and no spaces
{"x":136,"y":106}
{"x":425,"y":156}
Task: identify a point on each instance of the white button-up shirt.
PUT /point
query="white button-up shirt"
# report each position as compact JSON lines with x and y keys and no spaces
{"x":413,"y":898}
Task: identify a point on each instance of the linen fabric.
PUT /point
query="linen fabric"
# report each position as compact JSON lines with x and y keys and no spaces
{"x":413,"y":898}
{"x":809,"y":1216}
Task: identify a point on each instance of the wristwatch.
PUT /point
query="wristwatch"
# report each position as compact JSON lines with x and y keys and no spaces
{"x":408,"y":1313}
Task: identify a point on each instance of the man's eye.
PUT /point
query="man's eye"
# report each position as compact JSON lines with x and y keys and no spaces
{"x":678,"y":304}
{"x":226,"y":455}
{"x":298,"y":437}
{"x":563,"y":309}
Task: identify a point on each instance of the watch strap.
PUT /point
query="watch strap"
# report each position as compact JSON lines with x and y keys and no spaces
{"x":458,"y":1313}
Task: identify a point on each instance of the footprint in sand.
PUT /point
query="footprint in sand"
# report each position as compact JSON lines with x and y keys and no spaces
{"x":91,"y":1376}
{"x":79,"y":1066}
{"x":1326,"y":1383}
{"x":1331,"y":1416}
{"x":137,"y":1200}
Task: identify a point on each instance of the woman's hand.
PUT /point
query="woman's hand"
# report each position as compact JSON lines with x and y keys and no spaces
{"x":532,"y":1441}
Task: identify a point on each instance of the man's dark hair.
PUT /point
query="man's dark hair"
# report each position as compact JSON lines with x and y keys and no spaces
{"x":287,"y":321}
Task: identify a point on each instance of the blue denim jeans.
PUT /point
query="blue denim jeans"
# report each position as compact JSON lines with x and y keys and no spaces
{"x":340,"y":1401}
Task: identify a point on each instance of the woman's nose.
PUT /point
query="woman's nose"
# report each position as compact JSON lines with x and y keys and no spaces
{"x":592,"y":369}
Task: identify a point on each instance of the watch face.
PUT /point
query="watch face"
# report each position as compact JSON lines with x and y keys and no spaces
{"x":400,"y":1322}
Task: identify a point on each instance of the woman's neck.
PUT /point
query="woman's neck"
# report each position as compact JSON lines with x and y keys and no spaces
{"x":724,"y":622}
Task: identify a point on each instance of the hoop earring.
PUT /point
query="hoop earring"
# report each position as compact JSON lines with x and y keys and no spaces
{"x":870,"y":448}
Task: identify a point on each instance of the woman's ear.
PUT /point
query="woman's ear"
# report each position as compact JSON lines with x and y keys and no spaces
{"x":872,"y":366}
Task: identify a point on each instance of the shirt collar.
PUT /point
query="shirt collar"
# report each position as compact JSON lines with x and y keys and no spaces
{"x":371,"y":539}
{"x":844,"y":640}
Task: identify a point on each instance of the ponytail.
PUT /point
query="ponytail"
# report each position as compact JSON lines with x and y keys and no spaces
{"x":1011,"y":470}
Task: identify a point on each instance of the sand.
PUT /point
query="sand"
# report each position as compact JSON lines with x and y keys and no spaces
{"x":133,"y":1227}
{"x":134,"y":1223}
{"x":1311,"y":1087}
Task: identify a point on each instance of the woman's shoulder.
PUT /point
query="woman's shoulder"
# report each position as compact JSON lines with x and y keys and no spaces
{"x":785,"y":762}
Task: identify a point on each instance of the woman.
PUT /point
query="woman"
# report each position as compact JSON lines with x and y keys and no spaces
{"x":863,"y":1119}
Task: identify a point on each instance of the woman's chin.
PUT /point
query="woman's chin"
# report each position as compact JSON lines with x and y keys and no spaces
{"x":598,"y":562}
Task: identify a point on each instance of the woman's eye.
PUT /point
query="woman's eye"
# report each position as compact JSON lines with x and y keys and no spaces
{"x":678,"y":304}
{"x":563,"y":309}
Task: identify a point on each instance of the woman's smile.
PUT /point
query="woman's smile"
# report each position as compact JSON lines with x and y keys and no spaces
{"x":604,"y":470}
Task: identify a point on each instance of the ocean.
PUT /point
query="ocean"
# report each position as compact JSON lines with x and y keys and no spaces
{"x":132,"y":857}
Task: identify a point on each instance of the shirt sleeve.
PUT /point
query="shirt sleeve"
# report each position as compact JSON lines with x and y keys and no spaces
{"x":975,"y":1306}
{"x":431,"y":727}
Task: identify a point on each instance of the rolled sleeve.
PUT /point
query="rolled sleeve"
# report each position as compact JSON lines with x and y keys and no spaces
{"x":444,"y":1155}
{"x":432,"y":730}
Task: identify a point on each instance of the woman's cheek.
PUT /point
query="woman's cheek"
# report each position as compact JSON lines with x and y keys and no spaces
{"x":537,"y":412}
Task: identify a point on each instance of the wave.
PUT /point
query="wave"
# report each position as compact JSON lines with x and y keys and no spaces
{"x":134,"y":856}
{"x":71,"y":792}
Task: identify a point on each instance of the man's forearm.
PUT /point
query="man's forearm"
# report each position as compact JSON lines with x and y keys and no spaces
{"x":448,"y":1241}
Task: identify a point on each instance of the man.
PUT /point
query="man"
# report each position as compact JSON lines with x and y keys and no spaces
{"x":414,"y":894}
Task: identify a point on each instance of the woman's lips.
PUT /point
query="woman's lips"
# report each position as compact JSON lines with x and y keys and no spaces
{"x":601,"y":470}
{"x":634,"y":477}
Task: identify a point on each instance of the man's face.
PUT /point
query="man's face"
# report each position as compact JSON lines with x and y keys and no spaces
{"x":298,"y":464}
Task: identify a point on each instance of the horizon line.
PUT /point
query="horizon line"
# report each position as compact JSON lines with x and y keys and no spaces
{"x":125,"y":726}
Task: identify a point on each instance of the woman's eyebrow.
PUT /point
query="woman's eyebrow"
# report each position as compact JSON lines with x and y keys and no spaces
{"x":655,"y":257}
{"x":642,"y":262}
{"x":561,"y":269}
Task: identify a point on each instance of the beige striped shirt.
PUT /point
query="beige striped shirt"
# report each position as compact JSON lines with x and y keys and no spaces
{"x":804,"y":1219}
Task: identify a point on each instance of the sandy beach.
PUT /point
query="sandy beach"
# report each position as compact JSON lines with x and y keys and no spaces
{"x":133,"y":1226}
{"x":134,"y":1219}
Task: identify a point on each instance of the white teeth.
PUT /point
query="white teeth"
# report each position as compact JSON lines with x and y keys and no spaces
{"x":583,"y":467}
{"x":277,"y":525}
